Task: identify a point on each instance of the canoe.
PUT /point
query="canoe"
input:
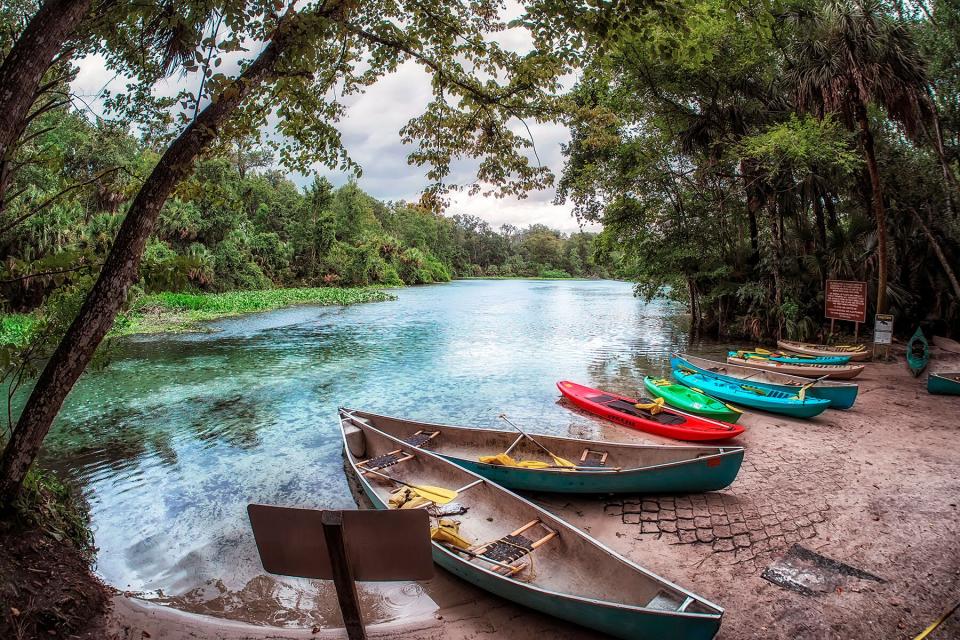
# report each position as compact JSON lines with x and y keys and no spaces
{"x":788,"y":403}
{"x":944,"y":383}
{"x":841,"y":395}
{"x":691,"y":400}
{"x":603,"y":467}
{"x":918,"y":352}
{"x":857,"y":352}
{"x":835,"y":371}
{"x":778,"y":356}
{"x":520,"y":552}
{"x":665,"y":422}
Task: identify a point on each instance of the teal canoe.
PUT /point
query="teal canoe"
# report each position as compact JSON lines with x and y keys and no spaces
{"x":918,"y":353}
{"x":944,"y":383}
{"x":691,"y":400}
{"x":604,"y":467}
{"x":788,"y":358}
{"x":514,"y":549}
{"x":841,"y":394}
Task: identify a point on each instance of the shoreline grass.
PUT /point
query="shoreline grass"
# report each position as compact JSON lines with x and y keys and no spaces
{"x":185,"y":312}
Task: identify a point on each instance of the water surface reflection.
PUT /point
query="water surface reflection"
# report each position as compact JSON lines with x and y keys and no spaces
{"x":179,"y":433}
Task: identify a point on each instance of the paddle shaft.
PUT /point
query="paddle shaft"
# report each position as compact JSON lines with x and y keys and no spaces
{"x":504,"y":417}
{"x":383,"y":475}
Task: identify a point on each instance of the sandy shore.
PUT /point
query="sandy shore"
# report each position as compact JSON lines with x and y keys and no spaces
{"x":876,"y":487}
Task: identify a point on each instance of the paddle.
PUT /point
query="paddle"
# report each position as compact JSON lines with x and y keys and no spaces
{"x":438,"y":495}
{"x":803,"y":390}
{"x":561,"y":462}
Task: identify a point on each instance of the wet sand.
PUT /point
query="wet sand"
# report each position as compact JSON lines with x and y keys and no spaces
{"x":876,"y":487}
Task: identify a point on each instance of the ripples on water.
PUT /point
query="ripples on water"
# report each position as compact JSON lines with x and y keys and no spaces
{"x":180,"y":433}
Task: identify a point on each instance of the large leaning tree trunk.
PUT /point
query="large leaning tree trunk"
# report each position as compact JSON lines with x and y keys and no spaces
{"x":866,"y":138}
{"x":29,"y":59}
{"x":119,"y":271}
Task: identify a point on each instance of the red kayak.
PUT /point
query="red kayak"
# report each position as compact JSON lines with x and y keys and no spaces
{"x":668,"y":422}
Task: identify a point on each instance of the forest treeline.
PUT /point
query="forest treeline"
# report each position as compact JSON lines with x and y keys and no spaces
{"x":237,"y":223}
{"x":742,"y":153}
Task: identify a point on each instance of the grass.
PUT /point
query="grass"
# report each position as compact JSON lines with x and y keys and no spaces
{"x":183,"y":312}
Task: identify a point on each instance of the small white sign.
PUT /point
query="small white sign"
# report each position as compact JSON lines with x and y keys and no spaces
{"x":882,"y":329}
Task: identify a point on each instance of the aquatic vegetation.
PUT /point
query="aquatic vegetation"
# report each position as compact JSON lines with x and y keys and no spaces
{"x":174,"y":312}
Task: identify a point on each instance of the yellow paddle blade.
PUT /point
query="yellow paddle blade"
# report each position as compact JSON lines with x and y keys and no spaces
{"x":654,"y":407}
{"x":732,"y":408}
{"x":763,"y":351}
{"x":562,"y":462}
{"x":504,"y":460}
{"x":439,"y":495}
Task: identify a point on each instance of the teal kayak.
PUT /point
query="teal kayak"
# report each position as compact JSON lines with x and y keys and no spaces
{"x":750,"y":395}
{"x":788,"y":358}
{"x":691,"y":400}
{"x":918,"y":353}
{"x":947,"y":384}
{"x":841,"y":394}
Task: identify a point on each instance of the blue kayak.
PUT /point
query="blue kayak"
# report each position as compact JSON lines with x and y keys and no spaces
{"x":841,"y":394}
{"x":789,"y":358}
{"x":743,"y":393}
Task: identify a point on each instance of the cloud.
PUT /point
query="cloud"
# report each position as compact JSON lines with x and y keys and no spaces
{"x":370,"y":131}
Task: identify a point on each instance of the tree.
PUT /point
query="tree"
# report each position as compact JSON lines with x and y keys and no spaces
{"x":851,"y":55}
{"x":307,"y":51}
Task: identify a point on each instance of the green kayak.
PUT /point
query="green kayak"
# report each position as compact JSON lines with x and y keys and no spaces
{"x":691,"y":400}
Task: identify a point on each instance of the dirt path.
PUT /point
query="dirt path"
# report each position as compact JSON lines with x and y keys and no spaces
{"x":876,"y":487}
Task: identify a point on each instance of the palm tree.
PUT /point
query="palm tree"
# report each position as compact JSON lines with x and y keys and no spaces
{"x":850,"y":55}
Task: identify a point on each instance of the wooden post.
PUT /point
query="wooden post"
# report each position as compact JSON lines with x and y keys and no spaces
{"x":831,"y":327}
{"x":856,"y":332}
{"x":342,"y":576}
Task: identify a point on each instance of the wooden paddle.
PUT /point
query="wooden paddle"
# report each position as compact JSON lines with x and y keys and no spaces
{"x":438,"y":495}
{"x":561,"y":462}
{"x":803,"y":390}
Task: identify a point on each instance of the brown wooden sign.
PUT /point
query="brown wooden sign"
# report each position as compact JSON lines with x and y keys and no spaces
{"x":846,"y":300}
{"x":379,"y":545}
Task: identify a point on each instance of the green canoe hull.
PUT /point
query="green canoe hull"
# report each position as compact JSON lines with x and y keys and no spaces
{"x":710,"y":473}
{"x":918,"y":353}
{"x":686,"y":399}
{"x":629,"y":623}
{"x":941,"y":384}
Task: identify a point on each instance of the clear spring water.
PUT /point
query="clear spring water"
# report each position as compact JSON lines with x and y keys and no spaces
{"x":180,"y":432}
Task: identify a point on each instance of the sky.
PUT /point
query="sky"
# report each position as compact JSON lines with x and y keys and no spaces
{"x":370,"y":131}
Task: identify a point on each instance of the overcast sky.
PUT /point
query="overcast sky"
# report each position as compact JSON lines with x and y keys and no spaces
{"x":370,"y":130}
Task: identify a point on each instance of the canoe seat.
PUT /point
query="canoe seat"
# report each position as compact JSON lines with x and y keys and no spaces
{"x":598,"y":459}
{"x":386,"y":460}
{"x":502,"y":553}
{"x":421,"y":437}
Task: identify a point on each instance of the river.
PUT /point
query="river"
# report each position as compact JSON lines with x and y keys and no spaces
{"x":178,"y":433}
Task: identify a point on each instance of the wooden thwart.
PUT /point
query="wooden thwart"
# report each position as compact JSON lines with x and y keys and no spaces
{"x":386,"y":460}
{"x":601,"y":457}
{"x":512,"y":547}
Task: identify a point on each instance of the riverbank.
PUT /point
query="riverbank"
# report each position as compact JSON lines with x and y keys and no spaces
{"x":186,"y":312}
{"x":873,"y":487}
{"x":46,"y":585}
